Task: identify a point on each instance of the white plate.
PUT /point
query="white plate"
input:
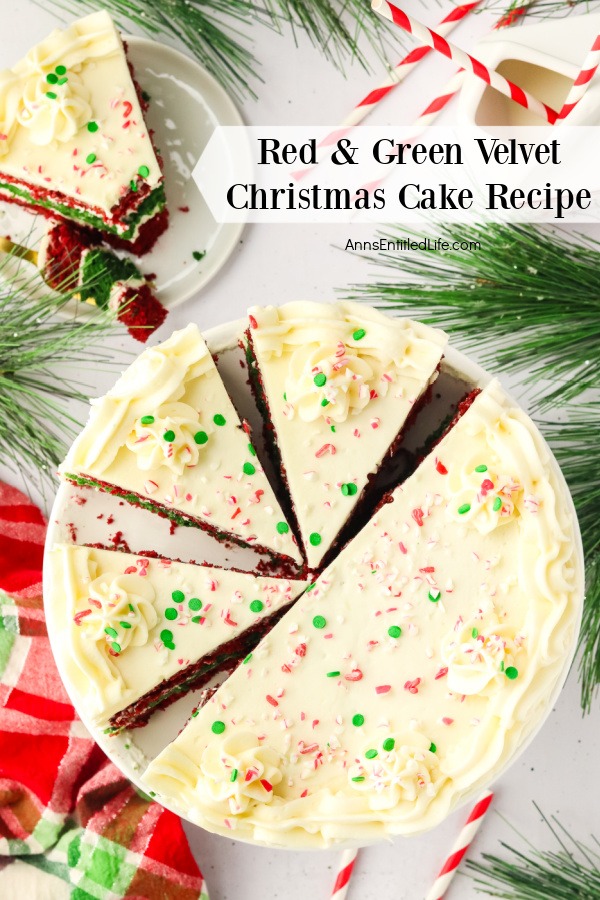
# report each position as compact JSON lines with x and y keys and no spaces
{"x":186,"y":106}
{"x":102,"y":518}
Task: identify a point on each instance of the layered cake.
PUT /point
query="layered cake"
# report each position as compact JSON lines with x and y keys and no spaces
{"x":73,"y":141}
{"x":71,"y":261}
{"x":137,"y":633}
{"x":337,"y":385}
{"x":167,"y":438}
{"x":412,"y":669}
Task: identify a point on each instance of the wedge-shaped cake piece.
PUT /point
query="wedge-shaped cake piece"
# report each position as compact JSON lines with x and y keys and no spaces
{"x":415,"y":668}
{"x":135,"y":633}
{"x":73,"y":141}
{"x":167,"y":437}
{"x":336,"y":384}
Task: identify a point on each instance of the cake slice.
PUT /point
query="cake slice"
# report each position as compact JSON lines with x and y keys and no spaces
{"x":73,"y":141}
{"x":336,"y":384}
{"x":134,"y":634}
{"x":167,"y":438}
{"x":415,"y":668}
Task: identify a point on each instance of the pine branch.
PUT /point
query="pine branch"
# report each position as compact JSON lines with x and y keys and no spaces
{"x":218,"y":32}
{"x":523,"y":283}
{"x":41,"y":359}
{"x":544,"y":8}
{"x":570,"y":872}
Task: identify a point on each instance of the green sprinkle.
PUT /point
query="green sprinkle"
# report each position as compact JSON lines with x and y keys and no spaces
{"x":197,"y":619}
{"x":389,"y":744}
{"x":481,"y":468}
{"x":359,"y":334}
{"x":125,"y":624}
{"x":92,"y":126}
{"x":285,"y":396}
{"x":464,"y":509}
{"x":497,"y":504}
{"x":257,"y":606}
{"x":325,"y":402}
{"x":248,"y":468}
{"x":201,"y":437}
{"x":320,"y":379}
{"x":251,"y":450}
{"x":195,"y":604}
{"x":502,"y":666}
{"x":218,"y":727}
{"x":51,"y":78}
{"x":144,"y":171}
{"x":90,"y":158}
{"x":234,"y":774}
{"x":133,"y":185}
{"x":62,"y":81}
{"x":178,"y":596}
{"x":169,"y":645}
{"x":349,"y":489}
{"x":333,"y":428}
{"x":434,"y":597}
{"x":247,"y":660}
{"x":359,"y":778}
{"x":195,"y":713}
{"x":51,"y":95}
{"x":394,"y":631}
{"x":170,"y":613}
{"x":474,"y":633}
{"x":147,"y":420}
{"x":110,"y":632}
{"x":166,"y":636}
{"x":131,"y":607}
{"x":169,"y":436}
{"x":512,"y":673}
{"x":371,"y":754}
{"x":333,"y":674}
{"x":315,"y":538}
{"x":319,"y":621}
{"x":198,"y":254}
{"x":116,"y":647}
{"x":219,"y":419}
{"x":311,"y":586}
{"x":358,"y":720}
{"x":61,"y":70}
{"x":282,"y":527}
{"x":432,"y":748}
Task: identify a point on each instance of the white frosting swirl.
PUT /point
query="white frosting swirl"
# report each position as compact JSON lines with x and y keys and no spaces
{"x":408,"y":773}
{"x":483,"y":498}
{"x":53,"y":111}
{"x":121,"y":611}
{"x":479,"y":654}
{"x":238,"y":773}
{"x":333,"y":381}
{"x":174,"y":438}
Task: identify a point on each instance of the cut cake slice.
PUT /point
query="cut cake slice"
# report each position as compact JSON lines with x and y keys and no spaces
{"x":134,"y":633}
{"x":417,"y":665}
{"x":336,"y":384}
{"x":167,"y":438}
{"x":73,"y":141}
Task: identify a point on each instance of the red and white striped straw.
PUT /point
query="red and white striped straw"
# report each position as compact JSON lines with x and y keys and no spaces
{"x":344,"y":874}
{"x":426,"y":36}
{"x":460,"y":847}
{"x":582,"y":82}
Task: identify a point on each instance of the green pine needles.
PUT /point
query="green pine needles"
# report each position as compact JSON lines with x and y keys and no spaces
{"x":544,"y":8}
{"x":41,"y":360}
{"x":527,"y":302}
{"x":572,"y":872}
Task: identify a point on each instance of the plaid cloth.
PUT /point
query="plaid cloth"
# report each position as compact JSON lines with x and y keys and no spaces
{"x":71,"y":826}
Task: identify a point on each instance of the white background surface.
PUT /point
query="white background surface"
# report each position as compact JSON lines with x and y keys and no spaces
{"x":277,"y":264}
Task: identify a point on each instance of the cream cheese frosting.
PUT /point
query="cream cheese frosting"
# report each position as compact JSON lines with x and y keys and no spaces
{"x":412,"y":670}
{"x":127,"y":623}
{"x":168,"y":432}
{"x":70,"y":120}
{"x":340,"y":381}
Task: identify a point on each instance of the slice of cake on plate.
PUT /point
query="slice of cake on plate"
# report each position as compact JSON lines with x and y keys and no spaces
{"x":336,"y":384}
{"x":167,"y":438}
{"x":136,"y":633}
{"x":417,"y":665}
{"x":73,"y":141}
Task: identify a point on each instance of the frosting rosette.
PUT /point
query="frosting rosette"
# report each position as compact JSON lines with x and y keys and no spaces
{"x":484,"y":498}
{"x":53,"y":106}
{"x":332,"y":380}
{"x":238,"y":773}
{"x":172,"y":437}
{"x":480,"y":655}
{"x":120,"y":611}
{"x":403,"y":769}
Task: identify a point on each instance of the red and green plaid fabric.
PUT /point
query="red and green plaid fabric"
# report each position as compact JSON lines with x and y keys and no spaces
{"x":70,"y":824}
